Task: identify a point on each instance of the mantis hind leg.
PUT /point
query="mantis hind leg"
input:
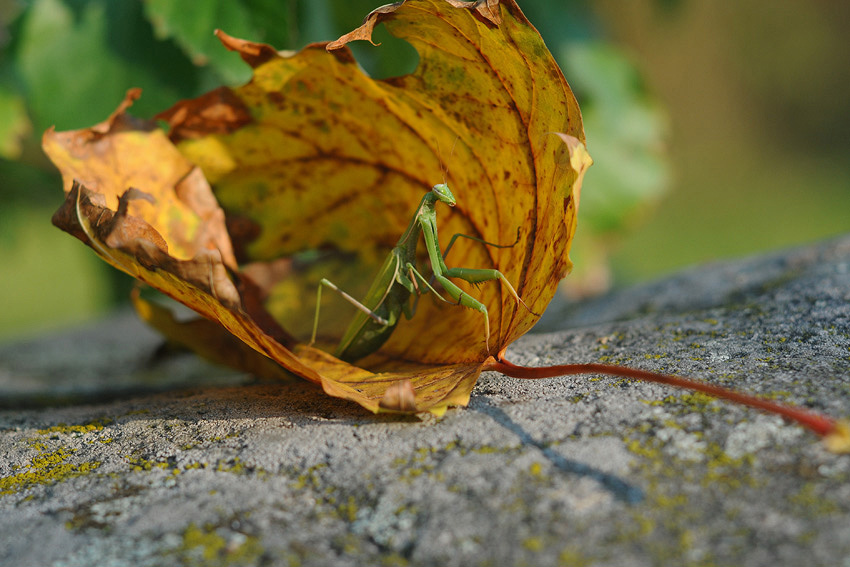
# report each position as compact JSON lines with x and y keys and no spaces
{"x":476,"y":276}
{"x":481,"y":240}
{"x":347,"y":297}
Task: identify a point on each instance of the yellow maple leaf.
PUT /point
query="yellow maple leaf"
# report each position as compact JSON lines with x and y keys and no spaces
{"x":312,"y":154}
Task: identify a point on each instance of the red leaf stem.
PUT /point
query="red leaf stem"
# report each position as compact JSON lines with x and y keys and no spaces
{"x":819,"y":424}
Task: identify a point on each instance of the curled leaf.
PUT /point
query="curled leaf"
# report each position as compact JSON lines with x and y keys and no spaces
{"x":261,"y":190}
{"x":123,"y":153}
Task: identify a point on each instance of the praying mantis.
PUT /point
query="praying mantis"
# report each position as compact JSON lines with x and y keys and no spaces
{"x":398,"y":279}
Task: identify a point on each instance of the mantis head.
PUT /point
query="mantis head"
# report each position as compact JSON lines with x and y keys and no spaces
{"x":442,"y":192}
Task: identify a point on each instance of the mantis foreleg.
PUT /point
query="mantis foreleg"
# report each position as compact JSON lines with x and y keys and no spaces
{"x":466,"y":300}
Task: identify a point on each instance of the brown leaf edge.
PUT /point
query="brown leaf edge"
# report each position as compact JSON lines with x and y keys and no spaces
{"x":204,"y":284}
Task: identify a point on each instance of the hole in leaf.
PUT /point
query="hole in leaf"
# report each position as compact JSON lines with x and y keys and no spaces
{"x":394,"y":57}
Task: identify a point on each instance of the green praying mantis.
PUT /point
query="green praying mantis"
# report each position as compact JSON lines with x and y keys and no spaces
{"x":398,"y":279}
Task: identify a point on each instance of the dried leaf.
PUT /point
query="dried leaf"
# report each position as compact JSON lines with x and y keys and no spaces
{"x":201,"y":283}
{"x":122,"y":153}
{"x":311,"y":155}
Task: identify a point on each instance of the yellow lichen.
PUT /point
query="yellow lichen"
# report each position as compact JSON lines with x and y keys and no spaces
{"x":47,"y":467}
{"x":348,"y":511}
{"x":139,"y":464}
{"x":573,"y":557}
{"x":394,"y":560}
{"x":84,"y":428}
{"x":204,"y":546}
{"x":809,"y":500}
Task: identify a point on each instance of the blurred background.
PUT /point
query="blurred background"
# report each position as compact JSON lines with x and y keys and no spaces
{"x":718,"y":129}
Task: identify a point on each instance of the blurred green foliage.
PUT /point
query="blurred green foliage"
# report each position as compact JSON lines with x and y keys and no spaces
{"x":759,"y":125}
{"x":67,"y":63}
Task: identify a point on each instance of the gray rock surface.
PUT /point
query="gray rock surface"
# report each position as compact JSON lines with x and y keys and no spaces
{"x":117,"y":455}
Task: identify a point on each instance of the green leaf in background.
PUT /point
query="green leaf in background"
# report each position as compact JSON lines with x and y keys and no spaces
{"x":71,"y":64}
{"x":46,"y":279}
{"x":626,"y":132}
{"x":191,"y":25}
{"x":14,"y":124}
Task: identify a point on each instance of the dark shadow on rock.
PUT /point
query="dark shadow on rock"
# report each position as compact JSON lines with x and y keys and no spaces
{"x":619,"y":489}
{"x":34,"y":383}
{"x":298,"y":402}
{"x":120,"y":362}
